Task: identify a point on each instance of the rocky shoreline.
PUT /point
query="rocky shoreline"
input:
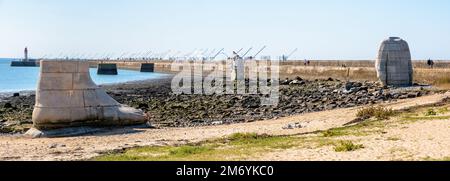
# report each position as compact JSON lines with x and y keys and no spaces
{"x":165,"y":109}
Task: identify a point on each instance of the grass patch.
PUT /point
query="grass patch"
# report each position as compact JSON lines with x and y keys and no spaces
{"x":436,"y":112}
{"x":431,"y":112}
{"x":234,"y":147}
{"x":443,"y":110}
{"x":393,"y":139}
{"x":379,"y":113}
{"x":258,"y":140}
{"x":347,"y":146}
{"x":189,"y":150}
{"x":333,"y":133}
{"x":424,"y":118}
{"x":445,"y":159}
{"x":361,"y":129}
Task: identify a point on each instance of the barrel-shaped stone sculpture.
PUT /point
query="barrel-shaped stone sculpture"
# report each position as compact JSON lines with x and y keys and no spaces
{"x":67,"y":97}
{"x":394,"y":66}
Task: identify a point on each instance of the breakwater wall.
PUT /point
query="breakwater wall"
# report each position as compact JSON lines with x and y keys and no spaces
{"x":338,"y":69}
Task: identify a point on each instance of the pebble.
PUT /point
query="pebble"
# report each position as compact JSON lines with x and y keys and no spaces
{"x":294,"y":126}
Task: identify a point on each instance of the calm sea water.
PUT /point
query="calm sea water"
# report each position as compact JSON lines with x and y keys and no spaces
{"x":15,"y":79}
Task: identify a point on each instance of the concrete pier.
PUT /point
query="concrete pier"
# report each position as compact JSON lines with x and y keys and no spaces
{"x":107,"y":69}
{"x":67,"y":97}
{"x":147,"y":67}
{"x":25,"y":63}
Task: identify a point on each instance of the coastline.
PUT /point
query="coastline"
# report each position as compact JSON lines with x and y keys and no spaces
{"x":8,"y":94}
{"x":165,"y":109}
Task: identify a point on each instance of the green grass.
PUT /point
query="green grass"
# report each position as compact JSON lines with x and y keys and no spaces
{"x":235,"y":147}
{"x":361,"y":129}
{"x":431,"y":112}
{"x":424,"y":118}
{"x":189,"y":150}
{"x":445,"y":159}
{"x":243,"y":146}
{"x":347,"y":146}
{"x":442,"y":110}
{"x":425,"y":114}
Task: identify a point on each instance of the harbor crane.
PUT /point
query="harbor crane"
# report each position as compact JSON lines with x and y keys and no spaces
{"x":211,"y":53}
{"x":285,"y":58}
{"x":123,"y":55}
{"x":246,"y":53}
{"x":218,"y":53}
{"x":261,"y":50}
{"x":239,"y":51}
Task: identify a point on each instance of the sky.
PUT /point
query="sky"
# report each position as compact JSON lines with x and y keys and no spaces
{"x":320,"y":29}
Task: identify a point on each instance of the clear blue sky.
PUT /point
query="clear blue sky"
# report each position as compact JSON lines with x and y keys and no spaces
{"x":321,"y":29}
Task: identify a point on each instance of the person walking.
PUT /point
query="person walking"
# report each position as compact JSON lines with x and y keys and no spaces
{"x":430,"y":63}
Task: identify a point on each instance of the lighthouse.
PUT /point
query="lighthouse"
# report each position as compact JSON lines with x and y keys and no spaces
{"x":25,"y":52}
{"x":26,"y":61}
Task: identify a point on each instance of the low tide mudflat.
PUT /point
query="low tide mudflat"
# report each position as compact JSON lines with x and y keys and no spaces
{"x":199,"y":127}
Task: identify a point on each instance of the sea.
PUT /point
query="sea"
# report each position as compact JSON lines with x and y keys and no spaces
{"x":19,"y":79}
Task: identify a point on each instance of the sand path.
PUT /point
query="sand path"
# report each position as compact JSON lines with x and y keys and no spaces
{"x":85,"y":147}
{"x":422,"y":140}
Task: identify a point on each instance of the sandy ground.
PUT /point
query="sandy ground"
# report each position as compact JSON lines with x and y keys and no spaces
{"x":424,"y":140}
{"x":431,"y":139}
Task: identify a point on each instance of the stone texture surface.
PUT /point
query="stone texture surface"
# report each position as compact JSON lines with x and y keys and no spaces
{"x":67,"y":97}
{"x":394,"y":65}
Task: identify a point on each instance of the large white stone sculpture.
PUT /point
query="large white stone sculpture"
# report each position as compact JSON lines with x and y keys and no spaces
{"x":67,"y":97}
{"x":394,"y":65}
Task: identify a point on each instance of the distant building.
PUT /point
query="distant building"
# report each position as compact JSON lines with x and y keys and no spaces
{"x":394,"y":65}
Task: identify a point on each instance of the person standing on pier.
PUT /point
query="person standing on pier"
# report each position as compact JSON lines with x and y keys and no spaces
{"x":430,"y":63}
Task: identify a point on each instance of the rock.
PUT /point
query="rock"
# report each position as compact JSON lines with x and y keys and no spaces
{"x":285,"y":82}
{"x":357,"y":84}
{"x":289,"y":126}
{"x":402,"y":96}
{"x":16,"y":94}
{"x":53,"y":146}
{"x":293,"y":126}
{"x":215,"y":123}
{"x":348,"y":86}
{"x":412,"y":95}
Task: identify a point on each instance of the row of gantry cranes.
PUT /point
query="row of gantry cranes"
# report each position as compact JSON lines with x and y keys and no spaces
{"x":197,"y":54}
